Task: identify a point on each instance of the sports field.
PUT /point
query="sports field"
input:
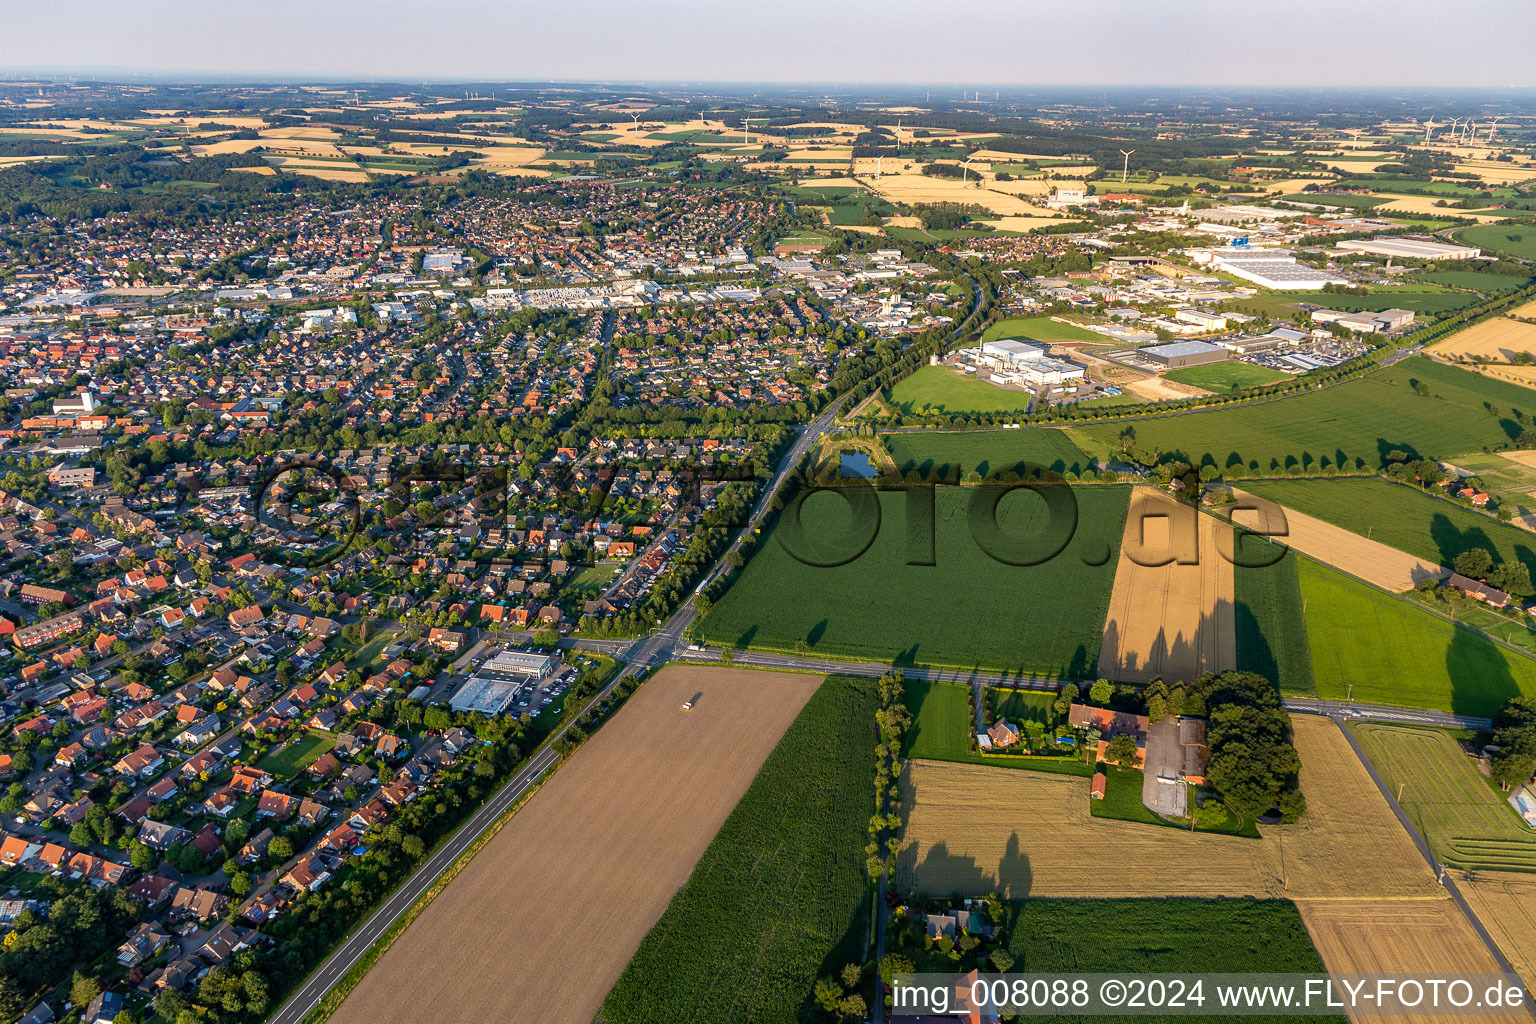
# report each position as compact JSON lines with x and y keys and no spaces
{"x":967,"y":609}
{"x":1394,"y":652}
{"x":608,"y":840}
{"x":1271,"y":632}
{"x":781,"y":889}
{"x":1353,"y":424}
{"x":1039,"y":328}
{"x":974,"y":829}
{"x":1402,"y":517}
{"x":948,"y":390}
{"x":1228,"y":376}
{"x":953,"y":454}
{"x":1469,"y":825}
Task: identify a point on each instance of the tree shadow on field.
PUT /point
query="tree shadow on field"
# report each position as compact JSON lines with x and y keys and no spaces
{"x":907,"y":658}
{"x":1481,"y":681}
{"x":746,"y":638}
{"x":1253,"y":651}
{"x":1451,"y":541}
{"x":948,"y":873}
{"x":850,"y":948}
{"x":816,"y":633}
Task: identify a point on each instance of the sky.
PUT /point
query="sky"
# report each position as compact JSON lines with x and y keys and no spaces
{"x":1290,"y":43}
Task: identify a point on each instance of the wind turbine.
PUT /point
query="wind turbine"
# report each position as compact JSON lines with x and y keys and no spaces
{"x":1429,"y":129}
{"x":635,"y":118}
{"x":879,"y":163}
{"x":1125,"y":170}
{"x":1471,"y":132}
{"x":965,"y":170}
{"x":898,"y":135}
{"x":1454,"y":122}
{"x":746,"y":126}
{"x":1491,"y":128}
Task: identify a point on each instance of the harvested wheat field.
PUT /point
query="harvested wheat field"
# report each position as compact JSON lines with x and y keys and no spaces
{"x":1369,"y":560}
{"x":1527,"y":310}
{"x":973,"y":829}
{"x":1425,"y":938}
{"x":1522,"y":375}
{"x":605,"y":843}
{"x":1171,"y":620}
{"x":1498,"y":339}
{"x":1505,"y":903}
{"x":1426,"y":205}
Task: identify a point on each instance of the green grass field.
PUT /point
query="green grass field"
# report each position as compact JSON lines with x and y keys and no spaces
{"x":1468,"y":823}
{"x":1490,"y":283}
{"x":1347,"y":202}
{"x":1240,"y":936}
{"x":1515,"y":239}
{"x":947,"y":390}
{"x":1351,"y":425}
{"x":1426,"y":301}
{"x":1402,"y":517}
{"x":1394,"y":652}
{"x":298,"y":754}
{"x":968,"y":609}
{"x":942,"y":724}
{"x":1040,"y":328}
{"x":781,"y":891}
{"x":945,"y":455}
{"x":1229,"y":376}
{"x":1271,"y":632}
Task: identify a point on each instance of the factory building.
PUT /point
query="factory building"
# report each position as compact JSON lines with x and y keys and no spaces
{"x":1268,"y":268}
{"x":1202,"y":319}
{"x":1024,"y":362}
{"x":1185,"y":353}
{"x":1413,"y":247}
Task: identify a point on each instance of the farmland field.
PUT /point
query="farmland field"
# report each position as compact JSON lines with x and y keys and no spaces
{"x":1401,"y":517}
{"x":966,"y":610}
{"x":1506,"y":904}
{"x":1429,"y":938}
{"x":1468,"y":824}
{"x":780,"y":890}
{"x":1040,"y":328}
{"x":1498,"y":338}
{"x":1228,"y":376}
{"x":1351,"y":202}
{"x":971,"y":830}
{"x":1353,"y":424}
{"x":608,"y":839}
{"x":1476,"y":280}
{"x":945,"y":389}
{"x":1426,"y":301}
{"x":1515,"y":239}
{"x":1170,"y":613}
{"x":1271,"y":632}
{"x":952,"y":454}
{"x":1153,"y":936}
{"x":1394,"y":652}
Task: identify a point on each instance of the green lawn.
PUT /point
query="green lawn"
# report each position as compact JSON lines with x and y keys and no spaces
{"x":1394,"y":652}
{"x":942,"y":725}
{"x":1515,"y":239}
{"x":966,"y":610}
{"x":947,"y":390}
{"x":1402,"y":517}
{"x":953,"y":454}
{"x":1468,"y":823}
{"x":1351,"y":425}
{"x":1039,"y":328}
{"x":781,"y":891}
{"x":299,"y":754}
{"x":1348,"y":202}
{"x":1271,"y":633}
{"x":1122,"y":798}
{"x":1426,"y":301}
{"x":1228,"y":376}
{"x":1476,"y":280}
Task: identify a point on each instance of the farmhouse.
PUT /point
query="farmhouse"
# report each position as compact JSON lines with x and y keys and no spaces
{"x":1478,"y":591}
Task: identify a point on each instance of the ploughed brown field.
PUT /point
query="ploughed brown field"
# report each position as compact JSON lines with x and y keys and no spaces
{"x":1423,"y":938}
{"x":1171,"y":620}
{"x":1369,"y":560}
{"x":975,"y":829}
{"x":541,"y":923}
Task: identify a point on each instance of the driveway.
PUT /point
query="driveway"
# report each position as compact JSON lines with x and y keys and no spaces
{"x":1163,"y":788}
